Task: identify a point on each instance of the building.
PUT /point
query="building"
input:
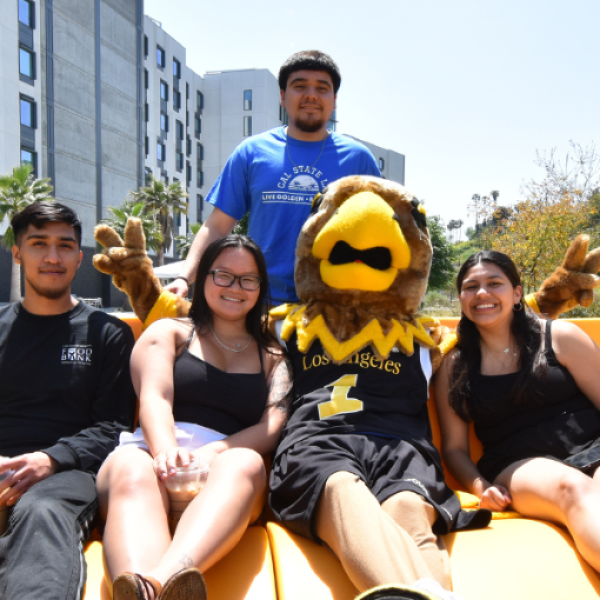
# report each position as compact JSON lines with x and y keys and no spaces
{"x":70,"y":104}
{"x":97,"y":96}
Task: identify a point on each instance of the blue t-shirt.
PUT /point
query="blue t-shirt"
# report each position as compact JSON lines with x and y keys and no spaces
{"x":277,"y":185}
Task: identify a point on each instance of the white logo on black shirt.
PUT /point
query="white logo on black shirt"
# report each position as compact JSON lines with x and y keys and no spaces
{"x":81,"y":354}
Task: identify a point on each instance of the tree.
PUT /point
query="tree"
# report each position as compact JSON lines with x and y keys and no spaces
{"x":442,"y":265}
{"x":184,"y":242}
{"x":241,"y":227}
{"x":131,"y":208}
{"x":18,"y":191}
{"x":494,"y":194}
{"x":537,"y":231}
{"x":162,"y":201}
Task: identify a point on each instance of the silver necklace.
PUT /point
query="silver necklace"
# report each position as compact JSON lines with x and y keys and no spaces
{"x":494,"y":354}
{"x":237,"y":346}
{"x":287,"y":148}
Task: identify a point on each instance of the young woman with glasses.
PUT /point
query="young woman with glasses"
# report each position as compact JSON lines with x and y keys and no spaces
{"x":213,"y":388}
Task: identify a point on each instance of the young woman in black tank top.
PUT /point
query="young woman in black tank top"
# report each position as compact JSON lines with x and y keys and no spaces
{"x":531,"y":388}
{"x":218,"y":371}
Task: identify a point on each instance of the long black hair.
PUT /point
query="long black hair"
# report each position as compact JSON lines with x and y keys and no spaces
{"x":525,"y":329}
{"x":256,"y":319}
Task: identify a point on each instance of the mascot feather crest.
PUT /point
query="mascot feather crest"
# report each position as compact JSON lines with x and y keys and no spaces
{"x":362,"y":264}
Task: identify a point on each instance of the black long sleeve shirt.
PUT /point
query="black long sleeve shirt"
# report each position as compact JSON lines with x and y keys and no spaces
{"x":65,"y":387}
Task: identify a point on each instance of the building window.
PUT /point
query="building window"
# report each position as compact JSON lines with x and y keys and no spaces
{"x":176,"y":68}
{"x":381,"y":164}
{"x":198,"y":125}
{"x":199,"y":207}
{"x":160,"y":57}
{"x":200,"y":178}
{"x":29,"y":158}
{"x":27,"y":112}
{"x":164,"y":91}
{"x":188,"y":174}
{"x":146,"y":112}
{"x":176,"y":99}
{"x":26,"y":12}
{"x":179,"y":161}
{"x":146,"y":79}
{"x":188,"y":145}
{"x":26,"y":63}
{"x":164,"y":122}
{"x":147,"y":174}
{"x":247,"y":99}
{"x":200,"y":151}
{"x":200,"y":100}
{"x":187,"y":90}
{"x":179,"y":129}
{"x":283,"y":116}
{"x":146,"y":46}
{"x":147,"y":146}
{"x":247,"y":126}
{"x":161,"y":152}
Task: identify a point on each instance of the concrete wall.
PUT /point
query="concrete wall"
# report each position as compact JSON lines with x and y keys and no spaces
{"x":394,"y":162}
{"x":82,"y":145}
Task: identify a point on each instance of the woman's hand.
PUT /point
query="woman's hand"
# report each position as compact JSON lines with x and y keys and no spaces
{"x":495,"y":497}
{"x":207,"y":454}
{"x":166,"y":462}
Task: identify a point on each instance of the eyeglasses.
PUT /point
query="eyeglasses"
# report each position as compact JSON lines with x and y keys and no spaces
{"x":225,"y":279}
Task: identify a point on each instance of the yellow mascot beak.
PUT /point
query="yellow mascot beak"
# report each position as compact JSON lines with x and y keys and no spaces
{"x":362,"y":246}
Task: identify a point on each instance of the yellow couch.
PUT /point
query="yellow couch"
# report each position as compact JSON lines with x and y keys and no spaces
{"x":512,"y":558}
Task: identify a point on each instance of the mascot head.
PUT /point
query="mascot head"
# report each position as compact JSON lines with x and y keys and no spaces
{"x":365,"y":245}
{"x":362,"y":263}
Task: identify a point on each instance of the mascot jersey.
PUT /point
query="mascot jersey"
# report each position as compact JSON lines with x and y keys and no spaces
{"x":275,"y":178}
{"x":362,"y":395}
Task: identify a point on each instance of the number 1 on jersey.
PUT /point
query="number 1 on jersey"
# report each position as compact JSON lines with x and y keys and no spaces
{"x":340,"y":403}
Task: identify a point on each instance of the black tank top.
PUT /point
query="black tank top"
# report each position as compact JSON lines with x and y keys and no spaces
{"x":564,"y":422}
{"x":207,"y":396}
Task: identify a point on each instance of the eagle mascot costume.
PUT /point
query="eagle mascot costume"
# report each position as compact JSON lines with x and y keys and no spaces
{"x":356,"y":466}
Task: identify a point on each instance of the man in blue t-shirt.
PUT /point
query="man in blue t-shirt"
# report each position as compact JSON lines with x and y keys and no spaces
{"x":275,"y":175}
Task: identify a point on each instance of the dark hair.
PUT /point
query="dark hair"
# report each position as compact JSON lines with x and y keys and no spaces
{"x":310,"y":60}
{"x":256,"y":319}
{"x":42,"y":212}
{"x":525,"y":329}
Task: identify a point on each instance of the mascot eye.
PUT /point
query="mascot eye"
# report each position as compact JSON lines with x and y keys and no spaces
{"x":418,"y":213}
{"x":316,"y":203}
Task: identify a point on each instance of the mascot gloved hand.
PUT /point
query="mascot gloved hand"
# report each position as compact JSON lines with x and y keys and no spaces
{"x":132,"y":272}
{"x":571,"y":284}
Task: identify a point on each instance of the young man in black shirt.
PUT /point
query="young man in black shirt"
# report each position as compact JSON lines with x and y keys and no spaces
{"x":65,"y":396}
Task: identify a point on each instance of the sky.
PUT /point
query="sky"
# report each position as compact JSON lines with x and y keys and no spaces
{"x":468,"y":90}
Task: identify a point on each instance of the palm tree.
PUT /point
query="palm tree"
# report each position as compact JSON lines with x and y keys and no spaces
{"x":130,"y":208}
{"x":494,"y":194}
{"x":184,"y":242}
{"x":162,"y":201}
{"x":18,"y":191}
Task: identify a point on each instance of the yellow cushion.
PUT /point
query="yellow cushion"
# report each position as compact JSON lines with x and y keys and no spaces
{"x":306,"y":571}
{"x":519,"y":559}
{"x":246,"y":573}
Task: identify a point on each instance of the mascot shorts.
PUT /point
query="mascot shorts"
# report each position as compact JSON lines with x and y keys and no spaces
{"x":386,"y":465}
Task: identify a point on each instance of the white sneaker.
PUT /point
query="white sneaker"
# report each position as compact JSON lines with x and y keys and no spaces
{"x":433,"y":587}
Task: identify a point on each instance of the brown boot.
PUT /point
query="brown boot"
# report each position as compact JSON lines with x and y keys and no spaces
{"x":188,"y":584}
{"x":133,"y":586}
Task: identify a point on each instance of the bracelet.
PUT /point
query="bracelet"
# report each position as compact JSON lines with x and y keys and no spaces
{"x":185,"y":279}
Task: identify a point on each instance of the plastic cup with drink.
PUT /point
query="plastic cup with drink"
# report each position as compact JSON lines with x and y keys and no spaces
{"x":183,"y":486}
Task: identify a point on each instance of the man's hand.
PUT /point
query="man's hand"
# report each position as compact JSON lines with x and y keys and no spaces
{"x":179,"y":287}
{"x":27,"y":470}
